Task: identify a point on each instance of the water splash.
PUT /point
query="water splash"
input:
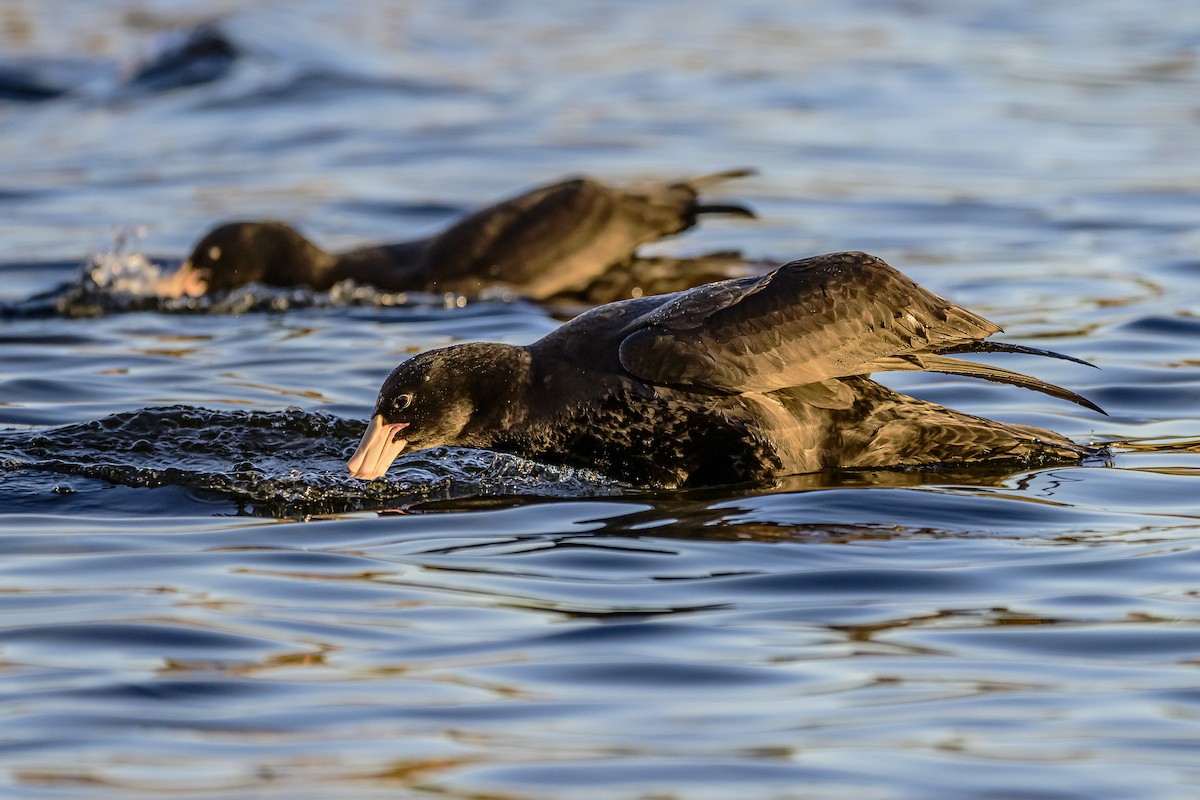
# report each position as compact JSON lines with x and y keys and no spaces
{"x":274,"y":463}
{"x":120,"y":279}
{"x":118,"y":271}
{"x":117,"y":281}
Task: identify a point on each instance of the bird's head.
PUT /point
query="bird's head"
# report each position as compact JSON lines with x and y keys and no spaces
{"x":238,"y":253}
{"x":451,"y":396}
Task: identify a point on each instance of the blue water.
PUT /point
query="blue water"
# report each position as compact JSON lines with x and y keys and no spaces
{"x":196,"y":598}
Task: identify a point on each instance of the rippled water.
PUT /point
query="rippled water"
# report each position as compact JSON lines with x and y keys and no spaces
{"x":197,"y":597}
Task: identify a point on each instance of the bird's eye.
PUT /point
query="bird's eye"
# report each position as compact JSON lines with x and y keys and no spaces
{"x":214,"y":253}
{"x":403,"y":401}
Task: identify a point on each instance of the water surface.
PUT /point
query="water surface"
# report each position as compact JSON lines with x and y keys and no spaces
{"x":197,"y":597}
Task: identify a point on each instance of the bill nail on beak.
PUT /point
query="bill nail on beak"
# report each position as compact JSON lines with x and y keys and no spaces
{"x":379,"y":447}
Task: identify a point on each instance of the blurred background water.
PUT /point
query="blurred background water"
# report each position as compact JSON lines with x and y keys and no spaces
{"x":197,"y":599}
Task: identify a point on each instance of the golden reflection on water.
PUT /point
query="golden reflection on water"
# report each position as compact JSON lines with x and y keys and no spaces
{"x":1168,"y":444}
{"x":736,"y":574}
{"x":307,"y":394}
{"x":267,"y":665}
{"x":304,"y":773}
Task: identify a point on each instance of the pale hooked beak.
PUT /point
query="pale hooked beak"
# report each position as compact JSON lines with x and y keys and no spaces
{"x":379,"y":447}
{"x":187,"y":281}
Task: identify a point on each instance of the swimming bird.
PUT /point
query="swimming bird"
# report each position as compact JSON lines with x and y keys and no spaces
{"x":552,"y":239}
{"x":739,"y":380}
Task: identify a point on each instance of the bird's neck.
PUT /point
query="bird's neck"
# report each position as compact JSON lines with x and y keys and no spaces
{"x":500,"y":383}
{"x":394,"y":267}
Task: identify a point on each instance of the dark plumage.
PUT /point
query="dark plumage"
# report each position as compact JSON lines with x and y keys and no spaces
{"x":733,"y":381}
{"x":553,"y":239}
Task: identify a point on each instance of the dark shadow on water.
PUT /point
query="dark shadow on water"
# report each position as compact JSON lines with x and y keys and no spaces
{"x":838,"y":505}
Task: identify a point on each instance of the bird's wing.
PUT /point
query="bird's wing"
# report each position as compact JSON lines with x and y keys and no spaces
{"x":516,"y":240}
{"x":830,"y":316}
{"x":824,"y":317}
{"x":562,"y":236}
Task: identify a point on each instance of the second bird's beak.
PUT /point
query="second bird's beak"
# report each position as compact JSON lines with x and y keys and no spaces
{"x":379,"y":447}
{"x":187,"y":281}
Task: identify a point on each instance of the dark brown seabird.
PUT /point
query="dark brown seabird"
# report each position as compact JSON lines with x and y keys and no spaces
{"x":553,"y":239}
{"x":740,"y":380}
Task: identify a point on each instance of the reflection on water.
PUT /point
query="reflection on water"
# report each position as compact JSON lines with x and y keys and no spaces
{"x":535,"y":646}
{"x":196,"y":593}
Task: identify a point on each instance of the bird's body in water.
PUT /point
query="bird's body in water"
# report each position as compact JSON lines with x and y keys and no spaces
{"x":554,"y":239}
{"x":740,"y":380}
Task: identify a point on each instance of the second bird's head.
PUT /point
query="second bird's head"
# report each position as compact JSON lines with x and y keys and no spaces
{"x":238,"y":253}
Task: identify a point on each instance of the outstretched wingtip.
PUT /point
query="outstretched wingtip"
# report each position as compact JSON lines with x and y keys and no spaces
{"x":701,"y":181}
{"x":972,"y":369}
{"x":989,"y":346}
{"x":734,"y":209}
{"x":1083,"y":401}
{"x":1065,"y":394}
